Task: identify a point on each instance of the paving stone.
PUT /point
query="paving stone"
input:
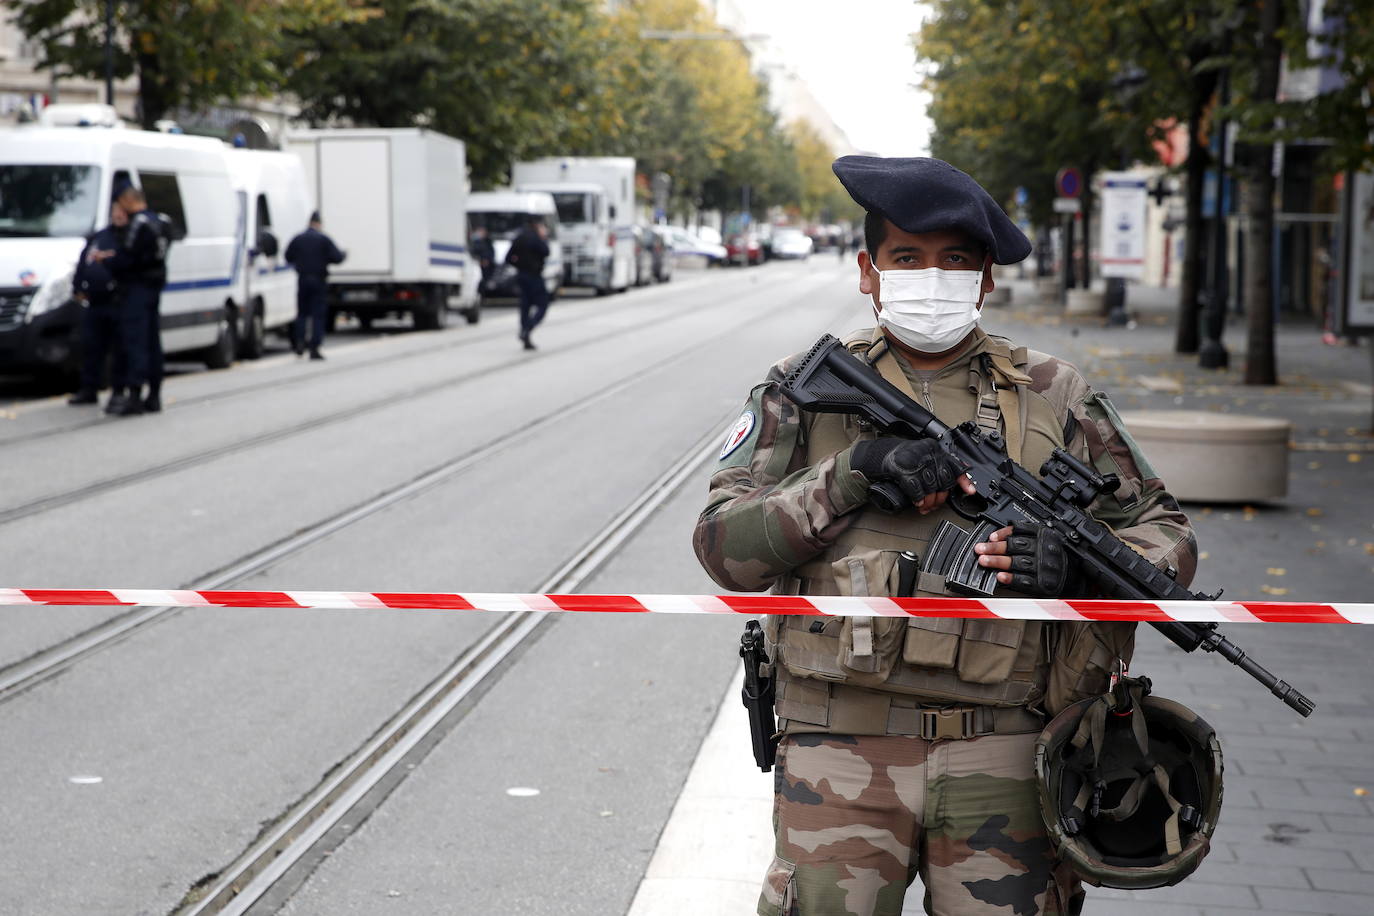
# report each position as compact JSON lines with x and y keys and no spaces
{"x":1263,"y":818}
{"x":1354,"y":882}
{"x":1288,"y":855}
{"x":1326,"y":805}
{"x":1223,"y":873}
{"x":1141,"y":907}
{"x":1339,"y":787}
{"x":1339,"y":729}
{"x":1326,"y":902}
{"x":1197,"y":893}
{"x":1350,"y":823}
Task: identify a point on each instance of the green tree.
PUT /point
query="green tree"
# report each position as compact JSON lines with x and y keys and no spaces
{"x":513,"y":78}
{"x":184,"y":53}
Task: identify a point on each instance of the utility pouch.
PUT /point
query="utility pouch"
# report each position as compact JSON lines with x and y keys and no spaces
{"x":1082,"y":659}
{"x":868,"y":646}
{"x":932,"y":642}
{"x":988,"y":650}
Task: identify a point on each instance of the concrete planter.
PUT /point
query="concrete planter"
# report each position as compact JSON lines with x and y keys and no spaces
{"x":1214,"y":457}
{"x":1047,"y":288}
{"x":1084,"y":302}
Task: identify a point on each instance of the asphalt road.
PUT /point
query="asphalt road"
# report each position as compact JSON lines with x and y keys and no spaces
{"x":206,"y":726}
{"x":143,"y":770}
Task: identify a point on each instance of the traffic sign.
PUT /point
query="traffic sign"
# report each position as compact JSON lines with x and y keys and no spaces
{"x":1067,"y":205}
{"x":1069,"y":182}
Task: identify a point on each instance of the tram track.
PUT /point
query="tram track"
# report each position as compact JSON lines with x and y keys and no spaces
{"x":58,"y":500}
{"x":22,"y":675}
{"x":285,"y":854}
{"x":602,"y":309}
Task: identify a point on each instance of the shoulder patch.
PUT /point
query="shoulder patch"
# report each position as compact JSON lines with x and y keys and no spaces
{"x":741,"y":431}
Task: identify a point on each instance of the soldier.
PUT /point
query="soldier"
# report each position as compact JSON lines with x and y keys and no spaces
{"x":907,"y":744}
{"x":311,"y":253}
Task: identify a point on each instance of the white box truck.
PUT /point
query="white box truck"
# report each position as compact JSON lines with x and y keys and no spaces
{"x":595,"y":197}
{"x":395,"y":201}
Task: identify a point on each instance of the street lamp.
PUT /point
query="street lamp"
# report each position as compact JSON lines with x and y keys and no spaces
{"x":1212,"y":353}
{"x":109,"y":52}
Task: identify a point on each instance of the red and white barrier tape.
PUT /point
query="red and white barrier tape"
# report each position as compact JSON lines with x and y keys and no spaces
{"x":1008,"y":608}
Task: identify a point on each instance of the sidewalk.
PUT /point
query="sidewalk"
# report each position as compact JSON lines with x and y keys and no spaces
{"x":1297,"y":826}
{"x":1296,"y":831}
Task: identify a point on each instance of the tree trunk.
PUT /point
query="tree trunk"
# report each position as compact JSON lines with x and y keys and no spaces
{"x":1190,"y":284}
{"x":1260,"y":364}
{"x":152,"y":94}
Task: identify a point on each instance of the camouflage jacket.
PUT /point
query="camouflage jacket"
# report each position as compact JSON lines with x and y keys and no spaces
{"x":769,"y":512}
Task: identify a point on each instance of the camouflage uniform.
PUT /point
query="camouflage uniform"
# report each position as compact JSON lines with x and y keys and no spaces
{"x":874,"y":785}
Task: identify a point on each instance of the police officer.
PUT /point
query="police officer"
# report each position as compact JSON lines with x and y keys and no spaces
{"x":311,"y":253}
{"x":528,"y":252}
{"x":907,"y":744}
{"x":94,"y":286}
{"x":139,"y":266}
{"x":484,"y":252}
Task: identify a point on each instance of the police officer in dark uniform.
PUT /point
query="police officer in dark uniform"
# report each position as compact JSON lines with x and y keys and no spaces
{"x":485,"y":253}
{"x":527,"y":254}
{"x":311,"y":253}
{"x":139,"y":266}
{"x":95,"y":287}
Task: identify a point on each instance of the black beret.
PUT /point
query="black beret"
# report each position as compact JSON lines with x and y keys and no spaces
{"x":120,"y":186}
{"x":930,"y":195}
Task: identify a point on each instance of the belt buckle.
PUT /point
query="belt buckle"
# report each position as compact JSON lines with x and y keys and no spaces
{"x":947,"y":724}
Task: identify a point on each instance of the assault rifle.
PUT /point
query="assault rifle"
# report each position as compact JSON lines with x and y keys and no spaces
{"x":831,"y":380}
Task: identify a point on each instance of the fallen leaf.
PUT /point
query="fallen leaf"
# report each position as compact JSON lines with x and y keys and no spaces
{"x":1313,"y":465}
{"x":1277,"y":571}
{"x":1353,"y":458}
{"x":1361,"y":791}
{"x":1315,"y":512}
{"x":1273,"y":590}
{"x":1204,"y":555}
{"x":1369,"y":548}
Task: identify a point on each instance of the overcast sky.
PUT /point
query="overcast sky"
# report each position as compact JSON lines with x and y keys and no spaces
{"x":856,"y":56}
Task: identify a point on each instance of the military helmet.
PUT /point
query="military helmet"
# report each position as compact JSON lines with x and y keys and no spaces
{"x":1130,"y":787}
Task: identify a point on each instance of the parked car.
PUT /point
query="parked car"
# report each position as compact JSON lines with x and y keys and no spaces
{"x":743,"y":248}
{"x":663,"y":253}
{"x":691,"y":249}
{"x":789,"y":242}
{"x":643,"y":273}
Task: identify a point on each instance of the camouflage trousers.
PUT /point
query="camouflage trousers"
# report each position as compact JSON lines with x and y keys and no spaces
{"x":858,"y":819}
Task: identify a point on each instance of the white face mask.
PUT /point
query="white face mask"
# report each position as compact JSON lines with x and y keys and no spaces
{"x":930,"y":310}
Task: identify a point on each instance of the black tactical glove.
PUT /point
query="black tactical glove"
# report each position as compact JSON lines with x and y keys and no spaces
{"x":1040,"y":565}
{"x":917,"y":466}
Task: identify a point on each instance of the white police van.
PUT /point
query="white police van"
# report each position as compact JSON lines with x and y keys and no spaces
{"x":55,"y":186}
{"x":503,"y":214}
{"x":273,"y":207}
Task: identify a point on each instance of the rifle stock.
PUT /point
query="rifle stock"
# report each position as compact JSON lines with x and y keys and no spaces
{"x":831,"y":380}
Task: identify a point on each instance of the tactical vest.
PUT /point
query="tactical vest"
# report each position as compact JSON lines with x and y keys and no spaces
{"x":872,"y":675}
